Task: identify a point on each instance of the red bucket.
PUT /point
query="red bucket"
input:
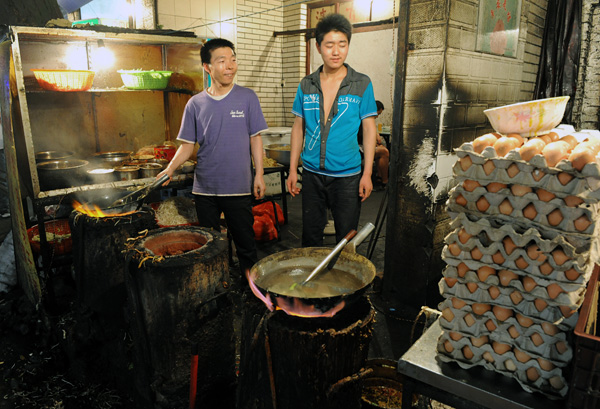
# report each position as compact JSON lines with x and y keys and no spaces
{"x":165,"y":152}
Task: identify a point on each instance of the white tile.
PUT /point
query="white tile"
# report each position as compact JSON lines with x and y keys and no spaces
{"x":182,"y":23}
{"x":198,"y":8}
{"x":182,"y":8}
{"x":228,"y":31}
{"x":165,"y":7}
{"x":213,"y":12}
{"x":213,"y":29}
{"x":227,"y":9}
{"x":200,"y":32}
{"x":166,"y":20}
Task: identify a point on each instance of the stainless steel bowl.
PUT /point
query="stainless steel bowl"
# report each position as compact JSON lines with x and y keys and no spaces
{"x":101,"y":175}
{"x":280,"y":152}
{"x":63,"y":173}
{"x":127,"y":172}
{"x":45,"y":156}
{"x":150,"y":170}
{"x":116,"y":158}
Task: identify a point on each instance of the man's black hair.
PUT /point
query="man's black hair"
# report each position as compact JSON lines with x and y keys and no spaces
{"x":206,"y":50}
{"x":333,"y":22}
{"x":379,"y":105}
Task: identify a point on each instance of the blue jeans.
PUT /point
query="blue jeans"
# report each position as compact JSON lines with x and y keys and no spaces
{"x":319,"y":192}
{"x":240,"y":221}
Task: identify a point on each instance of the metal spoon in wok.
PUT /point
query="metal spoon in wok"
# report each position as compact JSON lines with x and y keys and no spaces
{"x":140,"y":194}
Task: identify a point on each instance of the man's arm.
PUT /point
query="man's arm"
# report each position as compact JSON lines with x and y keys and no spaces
{"x":183,"y":153}
{"x":369,"y":138}
{"x":256,"y":148}
{"x":296,"y":139}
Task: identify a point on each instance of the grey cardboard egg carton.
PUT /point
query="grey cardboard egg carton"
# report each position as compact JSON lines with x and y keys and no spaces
{"x":547,"y":349}
{"x":550,"y":383}
{"x":543,"y":209}
{"x":522,"y":234}
{"x":551,"y":311}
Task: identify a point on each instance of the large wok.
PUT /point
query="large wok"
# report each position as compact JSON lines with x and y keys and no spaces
{"x":273,"y":280}
{"x":103,"y":198}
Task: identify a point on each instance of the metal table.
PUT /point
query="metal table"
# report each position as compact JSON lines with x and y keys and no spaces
{"x":450,"y":384}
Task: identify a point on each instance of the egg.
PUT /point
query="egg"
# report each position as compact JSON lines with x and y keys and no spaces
{"x":516,"y":297}
{"x":506,"y":276}
{"x":545,"y":138}
{"x":450,"y":281}
{"x":509,"y":245}
{"x":524,"y":321}
{"x":458,"y":303}
{"x":467,"y":353}
{"x":528,"y":283}
{"x":513,"y":332}
{"x":537,"y":175}
{"x":482,"y":204}
{"x":462,"y":269}
{"x":476,"y":254}
{"x":532,"y":374}
{"x":460,"y":200}
{"x":531,"y":148}
{"x":463,"y":236}
{"x":472,"y":287}
{"x":465,"y":162}
{"x":554,"y":152}
{"x":550,"y":328}
{"x":546,"y":268}
{"x":571,"y":140}
{"x":490,"y":325}
{"x":504,"y":145}
{"x":544,"y":195}
{"x":455,"y":335}
{"x":484,"y":272}
{"x":488,"y":357}
{"x":470,"y":185}
{"x":483,"y":141}
{"x":509,"y":365}
{"x":480,"y":308}
{"x":517,"y":136}
{"x":572,"y":274}
{"x":454,"y":249}
{"x":581,"y":158}
{"x":498,"y":258}
{"x":536,"y":339}
{"x":448,"y":314}
{"x":512,"y":170}
{"x":564,"y":178}
{"x":553,"y":136}
{"x":448,"y":346}
{"x":561,"y":347}
{"x":521,"y":263}
{"x":520,"y":190}
{"x":545,"y":364}
{"x":505,"y":207}
{"x":567,"y":311}
{"x":559,"y":256}
{"x":554,"y":290}
{"x":529,"y":212}
{"x":533,"y":251}
{"x":573,"y":201}
{"x":501,"y":313}
{"x":556,"y":382}
{"x":495,"y":187}
{"x":521,"y":356}
{"x":494,"y":292}
{"x":500,"y":348}
{"x":488,"y":167}
{"x":478,"y":342}
{"x":582,"y":223}
{"x":540,"y":304}
{"x":469,"y":320}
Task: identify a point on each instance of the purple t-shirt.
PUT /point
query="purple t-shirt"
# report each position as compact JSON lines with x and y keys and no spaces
{"x":222,"y":129}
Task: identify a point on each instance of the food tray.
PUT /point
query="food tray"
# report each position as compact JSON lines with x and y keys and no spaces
{"x":585,"y":381}
{"x":64,"y":80}
{"x":60,"y":246}
{"x":134,"y":79}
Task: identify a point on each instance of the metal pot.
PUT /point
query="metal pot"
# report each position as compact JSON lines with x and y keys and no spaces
{"x":58,"y":174}
{"x":150,"y":170}
{"x":45,"y":156}
{"x":103,"y":198}
{"x":100,"y":175}
{"x":127,"y":172}
{"x":280,"y":152}
{"x":113,"y":159}
{"x":272,"y":279}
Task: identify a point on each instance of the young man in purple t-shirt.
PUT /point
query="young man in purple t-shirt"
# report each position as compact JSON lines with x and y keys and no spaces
{"x":225,"y":121}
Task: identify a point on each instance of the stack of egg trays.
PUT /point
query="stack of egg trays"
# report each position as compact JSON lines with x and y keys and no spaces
{"x":546,"y":352}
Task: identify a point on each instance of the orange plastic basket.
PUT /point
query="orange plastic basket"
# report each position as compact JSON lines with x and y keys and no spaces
{"x":64,"y":80}
{"x":60,"y":245}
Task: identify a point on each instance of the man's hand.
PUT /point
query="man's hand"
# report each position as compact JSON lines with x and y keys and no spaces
{"x":365,"y":187}
{"x":259,"y":187}
{"x":291,"y":184}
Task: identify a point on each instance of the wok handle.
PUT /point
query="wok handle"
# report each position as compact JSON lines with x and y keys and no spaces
{"x":360,"y":236}
{"x":330,"y":256}
{"x":158,"y":182}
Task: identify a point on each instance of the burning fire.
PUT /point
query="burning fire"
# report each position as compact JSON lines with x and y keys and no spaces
{"x":95,"y":211}
{"x":292,"y":305}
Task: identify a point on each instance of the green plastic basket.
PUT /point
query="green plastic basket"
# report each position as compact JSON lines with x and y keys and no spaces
{"x":145,"y":79}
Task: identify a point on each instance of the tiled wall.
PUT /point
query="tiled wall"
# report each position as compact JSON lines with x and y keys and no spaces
{"x":200,"y":16}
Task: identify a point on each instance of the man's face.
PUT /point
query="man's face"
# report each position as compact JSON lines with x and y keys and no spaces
{"x":334,"y":49}
{"x":223,"y":66}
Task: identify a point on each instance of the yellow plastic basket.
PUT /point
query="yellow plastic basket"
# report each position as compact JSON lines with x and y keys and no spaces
{"x":64,"y":80}
{"x":134,"y":79}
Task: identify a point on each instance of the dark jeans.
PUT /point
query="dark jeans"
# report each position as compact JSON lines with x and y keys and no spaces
{"x":320,"y":192}
{"x":239,"y":218}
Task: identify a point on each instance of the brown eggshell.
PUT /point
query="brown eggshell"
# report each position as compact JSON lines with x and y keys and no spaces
{"x":561,"y":347}
{"x":536,"y":339}
{"x":506,"y":276}
{"x":520,"y":190}
{"x":531,"y":148}
{"x":517,"y":136}
{"x":571,"y":140}
{"x":516,"y":297}
{"x":504,"y":145}
{"x":448,"y":346}
{"x":467,"y":353}
{"x":505,"y":207}
{"x":460,"y":200}
{"x":470,"y":185}
{"x":580,"y":159}
{"x":540,"y":304}
{"x":509,"y":245}
{"x":448,"y":314}
{"x":484,"y":272}
{"x":550,"y":328}
{"x":528,"y":283}
{"x":582,"y":223}
{"x":498,"y":258}
{"x":469,"y":320}
{"x":472,"y":287}
{"x":572,"y":274}
{"x":509,"y":365}
{"x":546,"y":268}
{"x":490,"y":325}
{"x":488,"y":357}
{"x":482,"y":204}
{"x":494,"y":292}
{"x":463,"y":236}
{"x":480,"y":308}
{"x":555,"y":217}
{"x":488,"y":167}
{"x":573,"y":201}
{"x":500,"y":348}
{"x":495,"y":187}
{"x":483,"y":141}
{"x":454,"y":335}
{"x":476,"y":254}
{"x":478,"y":342}
{"x":532,"y":374}
{"x":530,"y":212}
{"x":462,"y":269}
{"x":559,"y":256}
{"x":556,"y":382}
{"x":524,"y":321}
{"x":512,"y":171}
{"x":501,"y":313}
{"x":533,"y":251}
{"x":564,"y":178}
{"x":545,"y":364}
{"x":544,"y":195}
{"x":521,"y":356}
{"x":458,"y":303}
{"x":554,"y":290}
{"x":521,"y":263}
{"x":553,"y":136}
{"x":566,"y":310}
{"x":554,"y":152}
{"x":465,"y":162}
{"x":537,"y":175}
{"x":454,"y":249}
{"x":450,"y":281}
{"x":513,"y":332}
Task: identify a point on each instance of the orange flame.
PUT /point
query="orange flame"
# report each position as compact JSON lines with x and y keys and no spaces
{"x":292,"y":305}
{"x":95,"y":211}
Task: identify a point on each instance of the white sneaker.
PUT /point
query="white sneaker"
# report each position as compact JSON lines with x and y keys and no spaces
{"x":329,"y":228}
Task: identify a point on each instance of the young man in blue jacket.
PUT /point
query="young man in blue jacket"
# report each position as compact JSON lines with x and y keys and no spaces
{"x":330,"y":106}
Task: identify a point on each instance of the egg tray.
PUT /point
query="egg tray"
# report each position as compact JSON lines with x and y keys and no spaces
{"x":543,"y":209}
{"x":558,"y":274}
{"x":550,"y":313}
{"x":571,"y":295}
{"x":501,"y":333}
{"x":494,"y":230}
{"x":542,"y":384}
{"x":585,"y":186}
